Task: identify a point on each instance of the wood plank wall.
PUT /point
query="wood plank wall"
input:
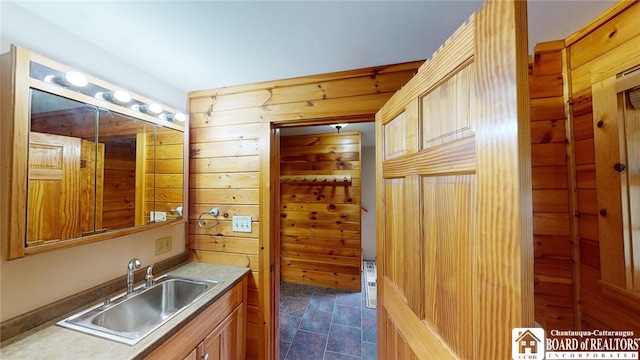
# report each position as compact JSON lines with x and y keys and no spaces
{"x":228,"y":146}
{"x":119,"y":184}
{"x":165,"y":173}
{"x":609,"y":46}
{"x":553,"y":249}
{"x":320,"y":212}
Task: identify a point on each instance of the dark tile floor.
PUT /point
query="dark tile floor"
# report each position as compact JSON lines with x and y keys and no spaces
{"x":325,"y":324}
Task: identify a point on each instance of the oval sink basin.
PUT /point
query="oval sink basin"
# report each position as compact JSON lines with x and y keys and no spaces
{"x":129,"y":318}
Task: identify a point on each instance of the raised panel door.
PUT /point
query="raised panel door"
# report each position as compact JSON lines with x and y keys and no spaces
{"x":455,"y":245}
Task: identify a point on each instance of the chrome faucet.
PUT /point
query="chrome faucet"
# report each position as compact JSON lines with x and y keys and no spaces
{"x":148,"y":278}
{"x":133,"y":264}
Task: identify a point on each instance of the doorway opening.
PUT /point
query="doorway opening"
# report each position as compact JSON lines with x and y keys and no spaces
{"x":327,"y":229}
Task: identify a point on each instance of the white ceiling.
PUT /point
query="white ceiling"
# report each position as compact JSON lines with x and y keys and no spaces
{"x":179,"y":46}
{"x":196,"y":45}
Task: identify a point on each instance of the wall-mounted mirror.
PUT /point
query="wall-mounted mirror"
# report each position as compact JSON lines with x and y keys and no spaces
{"x":85,"y":167}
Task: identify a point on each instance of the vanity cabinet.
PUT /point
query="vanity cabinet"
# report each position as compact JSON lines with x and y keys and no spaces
{"x":218,"y":332}
{"x":193,"y":355}
{"x":224,"y":342}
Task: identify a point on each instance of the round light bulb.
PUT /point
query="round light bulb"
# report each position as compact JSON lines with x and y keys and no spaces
{"x":155,"y":108}
{"x":122,"y":96}
{"x":180,"y":116}
{"x":76,"y":79}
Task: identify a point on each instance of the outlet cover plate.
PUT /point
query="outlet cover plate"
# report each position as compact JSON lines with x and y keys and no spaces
{"x":163,"y":245}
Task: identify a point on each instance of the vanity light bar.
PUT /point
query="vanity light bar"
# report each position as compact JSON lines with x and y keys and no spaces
{"x":79,"y":82}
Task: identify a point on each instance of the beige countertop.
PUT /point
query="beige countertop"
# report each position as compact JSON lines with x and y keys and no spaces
{"x":55,"y":342}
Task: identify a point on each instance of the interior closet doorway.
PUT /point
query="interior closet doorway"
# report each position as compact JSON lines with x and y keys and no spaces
{"x":327,"y":228}
{"x":327,"y":203}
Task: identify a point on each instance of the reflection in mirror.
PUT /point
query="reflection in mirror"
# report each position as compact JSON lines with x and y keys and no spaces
{"x":81,"y":161}
{"x":62,"y":175}
{"x":126,"y":177}
{"x":92,"y":170}
{"x":169,"y":151}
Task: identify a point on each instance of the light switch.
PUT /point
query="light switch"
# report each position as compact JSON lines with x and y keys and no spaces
{"x":241,"y":224}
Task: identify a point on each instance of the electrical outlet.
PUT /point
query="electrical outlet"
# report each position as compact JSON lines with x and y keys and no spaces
{"x":241,"y":224}
{"x":163,"y":245}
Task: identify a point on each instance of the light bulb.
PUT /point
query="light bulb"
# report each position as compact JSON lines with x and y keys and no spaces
{"x":339,"y":126}
{"x":70,"y":79}
{"x":173,"y":117}
{"x":76,"y":79}
{"x":122,"y":96}
{"x":154,"y":108}
{"x":116,"y":97}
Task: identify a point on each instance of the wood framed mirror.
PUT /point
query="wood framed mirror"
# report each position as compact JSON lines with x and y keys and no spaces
{"x":80,"y":166}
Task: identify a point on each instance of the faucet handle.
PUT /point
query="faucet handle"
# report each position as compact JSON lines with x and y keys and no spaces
{"x":149,"y":278}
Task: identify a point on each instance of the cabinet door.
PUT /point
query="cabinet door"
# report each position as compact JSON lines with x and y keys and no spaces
{"x":225,"y":341}
{"x":193,"y":355}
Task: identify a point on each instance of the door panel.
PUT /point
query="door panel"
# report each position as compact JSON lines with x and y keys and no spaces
{"x":395,"y":137}
{"x":54,"y":187}
{"x":454,"y":232}
{"x":449,"y":248}
{"x":447,"y":109}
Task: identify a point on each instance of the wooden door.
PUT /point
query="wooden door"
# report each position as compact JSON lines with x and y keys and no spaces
{"x":455,"y":248}
{"x":54,"y":188}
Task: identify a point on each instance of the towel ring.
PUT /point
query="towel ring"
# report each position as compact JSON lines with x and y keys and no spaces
{"x":214,"y":212}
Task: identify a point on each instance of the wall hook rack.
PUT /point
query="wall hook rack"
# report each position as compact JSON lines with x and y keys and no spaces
{"x":316,"y":180}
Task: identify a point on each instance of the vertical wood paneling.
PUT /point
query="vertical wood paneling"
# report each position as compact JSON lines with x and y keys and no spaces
{"x":317,"y":216}
{"x":229,"y":161}
{"x":606,"y":140}
{"x":601,"y":50}
{"x":631,"y":183}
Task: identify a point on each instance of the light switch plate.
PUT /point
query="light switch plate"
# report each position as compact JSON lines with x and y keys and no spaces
{"x":241,"y":224}
{"x":158,"y":216}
